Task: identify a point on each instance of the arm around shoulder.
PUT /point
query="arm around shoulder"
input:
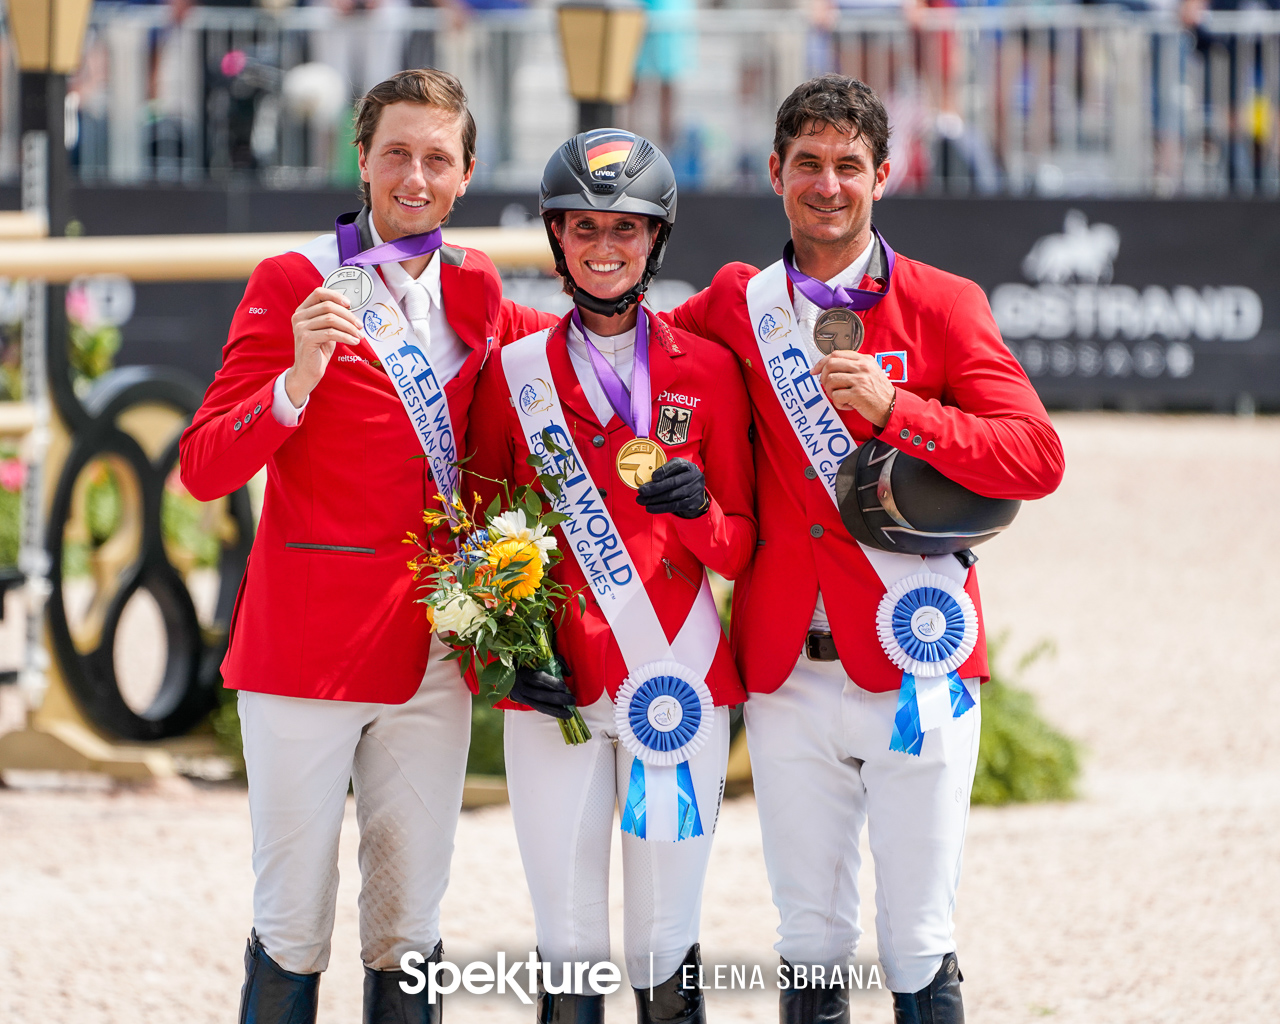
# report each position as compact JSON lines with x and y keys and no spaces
{"x":704,"y":314}
{"x":490,"y":444}
{"x":724,"y":538}
{"x":516,"y":322}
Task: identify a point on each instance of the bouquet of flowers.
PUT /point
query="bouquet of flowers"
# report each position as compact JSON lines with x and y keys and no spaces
{"x":493,"y":597}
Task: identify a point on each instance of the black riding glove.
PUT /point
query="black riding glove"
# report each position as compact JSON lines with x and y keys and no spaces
{"x":678,"y":487}
{"x":544,"y":692}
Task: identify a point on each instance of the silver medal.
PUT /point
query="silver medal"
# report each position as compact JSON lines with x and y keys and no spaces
{"x":352,"y":282}
{"x":838,"y":329}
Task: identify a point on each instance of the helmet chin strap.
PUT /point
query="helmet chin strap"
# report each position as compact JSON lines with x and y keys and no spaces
{"x":607,"y":307}
{"x":616,"y":306}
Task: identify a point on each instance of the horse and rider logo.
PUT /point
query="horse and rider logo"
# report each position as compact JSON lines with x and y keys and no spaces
{"x":535,"y":397}
{"x":772,"y":326}
{"x":381,"y":322}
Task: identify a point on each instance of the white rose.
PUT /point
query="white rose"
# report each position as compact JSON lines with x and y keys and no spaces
{"x":459,"y":614}
{"x":514,"y":525}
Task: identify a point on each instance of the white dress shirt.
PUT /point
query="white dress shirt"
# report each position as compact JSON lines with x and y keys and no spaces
{"x":442,"y":346}
{"x":806,"y":315}
{"x":619,"y":350}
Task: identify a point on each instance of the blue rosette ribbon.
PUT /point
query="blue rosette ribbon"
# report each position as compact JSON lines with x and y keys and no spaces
{"x":663,"y":713}
{"x":928,"y":627}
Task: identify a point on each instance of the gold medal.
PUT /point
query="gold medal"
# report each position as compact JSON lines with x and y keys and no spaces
{"x":637,"y":460}
{"x":838,"y":329}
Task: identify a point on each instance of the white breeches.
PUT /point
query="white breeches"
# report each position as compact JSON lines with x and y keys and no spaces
{"x":407,"y":763}
{"x":822,"y":766}
{"x":562,"y":800}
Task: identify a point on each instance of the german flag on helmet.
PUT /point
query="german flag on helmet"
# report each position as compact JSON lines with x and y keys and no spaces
{"x":607,"y":152}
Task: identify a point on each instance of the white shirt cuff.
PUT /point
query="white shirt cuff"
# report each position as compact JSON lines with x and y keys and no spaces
{"x":282,"y":408}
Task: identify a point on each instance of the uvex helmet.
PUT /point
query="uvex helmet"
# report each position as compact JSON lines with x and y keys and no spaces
{"x":614,"y":171}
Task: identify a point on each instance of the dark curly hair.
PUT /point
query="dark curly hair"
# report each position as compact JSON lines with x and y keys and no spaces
{"x":836,"y":100}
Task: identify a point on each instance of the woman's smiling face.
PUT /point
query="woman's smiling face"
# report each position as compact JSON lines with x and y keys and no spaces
{"x":605,"y":252}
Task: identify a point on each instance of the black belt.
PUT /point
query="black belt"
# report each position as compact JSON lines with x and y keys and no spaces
{"x":819,"y":646}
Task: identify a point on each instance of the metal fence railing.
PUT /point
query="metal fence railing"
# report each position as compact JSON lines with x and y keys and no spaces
{"x":1049,"y":100}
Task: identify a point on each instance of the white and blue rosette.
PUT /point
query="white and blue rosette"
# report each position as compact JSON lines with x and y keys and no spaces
{"x":928,"y":627}
{"x":664,"y":714}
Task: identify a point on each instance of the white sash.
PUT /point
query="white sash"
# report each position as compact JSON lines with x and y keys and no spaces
{"x":396,"y":345}
{"x":827,"y":442}
{"x":659,"y":785}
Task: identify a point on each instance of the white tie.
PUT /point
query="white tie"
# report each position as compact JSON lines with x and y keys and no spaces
{"x":417,"y":307}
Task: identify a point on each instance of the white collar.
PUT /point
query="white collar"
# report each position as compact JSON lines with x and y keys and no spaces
{"x":852,"y":275}
{"x":613,"y":344}
{"x":398,"y":279}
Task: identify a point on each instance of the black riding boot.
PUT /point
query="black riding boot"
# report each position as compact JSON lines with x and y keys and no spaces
{"x":567,"y":1008}
{"x":812,"y":1005}
{"x":385,"y":1002}
{"x":272,"y":995}
{"x":673,"y":1002}
{"x":938,"y":1002}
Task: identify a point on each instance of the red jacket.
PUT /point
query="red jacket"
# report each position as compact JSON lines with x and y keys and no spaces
{"x":669,"y":552}
{"x":964,"y":405}
{"x":327,"y":606}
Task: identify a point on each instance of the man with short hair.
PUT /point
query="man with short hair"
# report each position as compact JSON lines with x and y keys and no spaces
{"x":346,"y":362}
{"x":862,"y":663}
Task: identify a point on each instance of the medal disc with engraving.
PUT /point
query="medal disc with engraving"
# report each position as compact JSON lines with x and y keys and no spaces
{"x":637,"y":460}
{"x":838,"y":329}
{"x":352,"y":282}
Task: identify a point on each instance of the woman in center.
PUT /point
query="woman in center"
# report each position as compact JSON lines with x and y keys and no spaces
{"x":649,"y":427}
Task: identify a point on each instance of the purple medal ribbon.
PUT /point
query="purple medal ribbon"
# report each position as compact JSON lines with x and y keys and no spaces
{"x":633,"y":405}
{"x":407,"y":248}
{"x":824,"y":297}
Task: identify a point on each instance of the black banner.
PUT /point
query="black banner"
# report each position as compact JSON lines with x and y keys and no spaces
{"x":1141,"y":304}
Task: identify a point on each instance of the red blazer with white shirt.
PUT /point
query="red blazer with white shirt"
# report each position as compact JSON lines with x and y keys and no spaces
{"x":964,"y":405}
{"x":669,"y":552}
{"x":327,"y":607}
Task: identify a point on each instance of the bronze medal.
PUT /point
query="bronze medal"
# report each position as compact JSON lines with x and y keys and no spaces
{"x":637,"y":459}
{"x":838,"y":329}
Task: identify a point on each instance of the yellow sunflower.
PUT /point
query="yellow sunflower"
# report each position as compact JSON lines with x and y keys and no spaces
{"x":503,"y":553}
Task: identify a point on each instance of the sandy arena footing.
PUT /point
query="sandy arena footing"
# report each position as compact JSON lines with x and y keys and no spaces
{"x":1155,"y":897}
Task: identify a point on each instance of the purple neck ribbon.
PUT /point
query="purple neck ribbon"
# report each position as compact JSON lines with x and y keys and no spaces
{"x":824,"y":297}
{"x":407,"y":248}
{"x":634,"y":405}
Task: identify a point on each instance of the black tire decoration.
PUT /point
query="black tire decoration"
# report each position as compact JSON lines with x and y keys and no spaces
{"x":190,"y":682}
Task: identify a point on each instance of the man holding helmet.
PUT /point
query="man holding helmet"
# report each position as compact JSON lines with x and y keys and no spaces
{"x":889,"y":414}
{"x":649,"y":426}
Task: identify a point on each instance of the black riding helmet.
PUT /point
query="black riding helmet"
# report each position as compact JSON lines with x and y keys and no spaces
{"x":613,"y":171}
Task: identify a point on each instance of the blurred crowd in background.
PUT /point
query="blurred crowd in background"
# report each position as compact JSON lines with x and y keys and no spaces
{"x":1147,"y":97}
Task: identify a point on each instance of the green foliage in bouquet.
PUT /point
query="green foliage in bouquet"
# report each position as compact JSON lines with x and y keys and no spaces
{"x":1022,"y":759}
{"x":492,"y":596}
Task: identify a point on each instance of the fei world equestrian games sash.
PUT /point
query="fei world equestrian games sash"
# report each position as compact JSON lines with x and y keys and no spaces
{"x":396,"y":345}
{"x":926,"y":622}
{"x":663,"y":710}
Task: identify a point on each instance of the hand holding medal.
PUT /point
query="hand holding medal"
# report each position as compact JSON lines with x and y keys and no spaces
{"x":852,"y":380}
{"x":323,"y":321}
{"x":856,"y":381}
